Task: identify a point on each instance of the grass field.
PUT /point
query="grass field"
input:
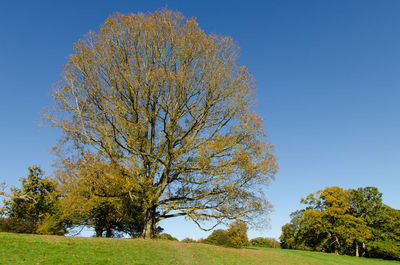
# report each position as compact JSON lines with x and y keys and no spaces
{"x":36,"y":249}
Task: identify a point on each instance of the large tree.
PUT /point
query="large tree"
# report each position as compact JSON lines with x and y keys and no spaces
{"x":168,"y":108}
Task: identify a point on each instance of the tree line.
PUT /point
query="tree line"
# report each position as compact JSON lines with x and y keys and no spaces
{"x":351,"y":222}
{"x":335,"y":220}
{"x":38,"y":207}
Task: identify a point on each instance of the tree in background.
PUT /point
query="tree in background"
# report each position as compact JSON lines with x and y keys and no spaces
{"x":237,"y":232}
{"x":366,"y":203}
{"x":288,"y":237}
{"x":328,"y":225}
{"x":168,"y":109}
{"x":353,"y":222}
{"x":34,"y":207}
{"x":385,"y":228}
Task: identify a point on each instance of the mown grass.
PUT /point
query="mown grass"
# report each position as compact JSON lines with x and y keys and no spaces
{"x":36,"y":249}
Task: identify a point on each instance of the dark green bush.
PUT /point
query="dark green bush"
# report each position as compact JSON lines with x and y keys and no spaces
{"x":265,"y":242}
{"x":166,"y":236}
{"x":188,"y":240}
{"x":219,"y":237}
{"x":388,"y":249}
{"x":15,"y":225}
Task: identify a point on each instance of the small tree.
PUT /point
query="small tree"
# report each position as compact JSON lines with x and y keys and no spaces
{"x":33,"y":207}
{"x":237,"y":232}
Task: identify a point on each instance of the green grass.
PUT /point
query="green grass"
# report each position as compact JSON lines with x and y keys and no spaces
{"x":36,"y":249}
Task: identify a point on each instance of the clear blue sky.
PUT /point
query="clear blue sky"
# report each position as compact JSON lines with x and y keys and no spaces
{"x":328,"y":79}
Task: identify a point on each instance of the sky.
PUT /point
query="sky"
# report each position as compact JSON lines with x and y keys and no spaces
{"x":328,"y":87}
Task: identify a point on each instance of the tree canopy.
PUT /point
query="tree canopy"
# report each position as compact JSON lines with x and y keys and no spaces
{"x":170,"y":113}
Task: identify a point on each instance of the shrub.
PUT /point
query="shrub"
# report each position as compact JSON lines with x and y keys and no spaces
{"x":15,"y":225}
{"x":219,"y":237}
{"x":265,"y":242}
{"x":188,"y":240}
{"x":387,"y":249}
{"x":166,"y":236}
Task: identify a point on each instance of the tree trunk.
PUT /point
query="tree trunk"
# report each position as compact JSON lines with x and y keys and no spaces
{"x":363,"y":249}
{"x":108,"y":232}
{"x":99,"y":231}
{"x":357,"y":253}
{"x":149,"y":223}
{"x":338,"y":245}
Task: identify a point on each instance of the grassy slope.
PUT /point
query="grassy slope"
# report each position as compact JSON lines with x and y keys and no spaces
{"x":34,"y":249}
